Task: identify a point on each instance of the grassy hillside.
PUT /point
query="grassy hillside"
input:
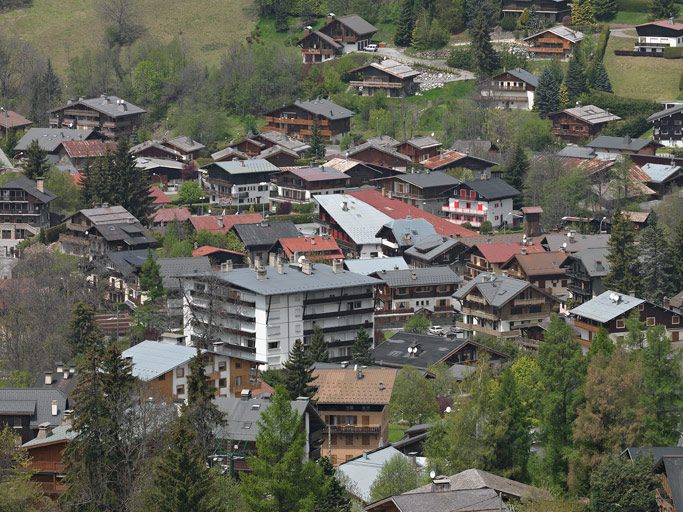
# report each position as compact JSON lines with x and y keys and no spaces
{"x":63,"y":29}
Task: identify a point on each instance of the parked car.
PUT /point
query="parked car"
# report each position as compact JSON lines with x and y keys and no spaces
{"x":436,"y":329}
{"x":371,"y":48}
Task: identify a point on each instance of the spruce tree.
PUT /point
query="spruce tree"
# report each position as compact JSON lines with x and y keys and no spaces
{"x":36,"y":165}
{"x":599,"y":79}
{"x":150,"y":278}
{"x":130,"y":186}
{"x":663,"y":9}
{"x":10,"y":142}
{"x":298,"y":372}
{"x":96,"y":178}
{"x":547,"y":99}
{"x":84,"y":335}
{"x":656,"y":262}
{"x":202,"y":412}
{"x":576,"y":79}
{"x":280,"y":480}
{"x":46,"y":91}
{"x":677,"y":255}
{"x":317,"y":146}
{"x":485,"y":56}
{"x":623,"y":276}
{"x":361,"y":350}
{"x":582,"y":12}
{"x":516,"y":170}
{"x":605,"y":9}
{"x":421,"y":38}
{"x":564,"y":96}
{"x":601,"y":343}
{"x":333,"y":496}
{"x":317,"y":348}
{"x":405,"y":25}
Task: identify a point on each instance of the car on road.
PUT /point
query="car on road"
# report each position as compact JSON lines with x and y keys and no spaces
{"x":371,"y":48}
{"x":436,"y":329}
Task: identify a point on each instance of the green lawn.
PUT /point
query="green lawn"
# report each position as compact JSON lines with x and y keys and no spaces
{"x":63,"y":29}
{"x":630,"y":18}
{"x":642,"y":77}
{"x":396,"y":431}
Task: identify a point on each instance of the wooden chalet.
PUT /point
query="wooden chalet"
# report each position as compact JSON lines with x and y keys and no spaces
{"x":513,"y":89}
{"x":12,"y":121}
{"x":580,"y":123}
{"x":655,"y":36}
{"x":553,"y":43}
{"x":360,"y":173}
{"x":299,"y":185}
{"x":318,"y":47}
{"x":542,"y":269}
{"x":46,"y":454}
{"x":455,"y":160}
{"x":667,"y":126}
{"x":386,"y":78}
{"x":420,"y":149}
{"x":338,"y":36}
{"x":384,"y":156}
{"x":427,"y":191}
{"x":297,"y":120}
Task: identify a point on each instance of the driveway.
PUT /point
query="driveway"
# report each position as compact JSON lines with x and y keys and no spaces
{"x":399,"y":55}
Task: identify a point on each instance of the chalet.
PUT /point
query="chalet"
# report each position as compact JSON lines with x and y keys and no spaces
{"x":24,"y":211}
{"x":354,"y":404}
{"x":542,"y":269}
{"x":420,"y":149}
{"x":655,"y":36}
{"x":164,"y":216}
{"x":546,"y":10}
{"x":239,"y":182}
{"x":485,"y":149}
{"x":248,"y":147}
{"x":440,"y":498}
{"x":675,"y":303}
{"x":360,"y":173}
{"x":46,"y":454}
{"x":553,"y":43}
{"x":97,"y":231}
{"x":155,"y":149}
{"x":386,"y":78}
{"x":299,"y":185}
{"x":513,"y":89}
{"x":434,"y":250}
{"x":580,"y":123}
{"x":318,"y":47}
{"x":276,"y":138}
{"x":280,"y":156}
{"x":163,"y":369}
{"x":455,"y":160}
{"x":478,"y":201}
{"x":491,"y":256}
{"x":223,"y":223}
{"x":662,"y":177}
{"x":299,"y":119}
{"x":400,"y":234}
{"x":322,"y":249}
{"x":26,"y":410}
{"x":611,"y":310}
{"x":12,"y":121}
{"x":403,"y":293}
{"x":669,"y":496}
{"x":427,"y":191}
{"x":164,"y":172}
{"x":381,"y":155}
{"x":259,"y":238}
{"x":531,"y":220}
{"x":74,"y":154}
{"x":573,"y":242}
{"x":585,"y":271}
{"x":218,"y":257}
{"x":50,"y":140}
{"x":187,"y":147}
{"x":120,"y":271}
{"x":108,"y":115}
{"x":384,"y":140}
{"x":501,"y":306}
{"x":606,"y":145}
{"x":352,"y":31}
{"x":668,"y":126}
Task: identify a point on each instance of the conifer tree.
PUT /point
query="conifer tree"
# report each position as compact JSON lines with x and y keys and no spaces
{"x":280,"y":480}
{"x":576,"y":78}
{"x":333,"y":496}
{"x":45,"y":92}
{"x":582,"y":12}
{"x":564,"y":96}
{"x":547,"y":99}
{"x":406,"y":24}
{"x":485,"y":56}
{"x":361,"y":351}
{"x":36,"y":165}
{"x":317,"y":146}
{"x":622,"y":484}
{"x":96,"y":177}
{"x":298,"y":372}
{"x":317,"y":348}
{"x":677,"y":255}
{"x":202,"y":412}
{"x":656,"y":262}
{"x":84,"y":335}
{"x":10,"y":142}
{"x":421,"y":38}
{"x":663,"y":9}
{"x":599,"y":79}
{"x":623,"y":276}
{"x":130,"y":186}
{"x":516,"y":170}
{"x":150,"y":278}
{"x":601,"y":343}
{"x":605,"y":9}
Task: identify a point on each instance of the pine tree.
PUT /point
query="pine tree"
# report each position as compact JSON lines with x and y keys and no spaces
{"x":656,"y":262}
{"x":663,"y":9}
{"x":361,"y":351}
{"x":96,"y":177}
{"x":181,"y":479}
{"x":576,"y":79}
{"x":562,"y":375}
{"x":406,"y":24}
{"x":36,"y":165}
{"x":84,"y":335}
{"x":298,"y":372}
{"x":623,"y":276}
{"x":547,"y":99}
{"x":605,"y":9}
{"x":516,"y":170}
{"x":46,"y":91}
{"x":317,"y":146}
{"x":582,"y":12}
{"x":150,"y":278}
{"x":130,"y":186}
{"x":280,"y":480}
{"x":677,"y":255}
{"x":564,"y":96}
{"x":600,"y":79}
{"x":485,"y":56}
{"x":333,"y":496}
{"x":317,"y":348}
{"x":601,"y":343}
{"x":202,"y":412}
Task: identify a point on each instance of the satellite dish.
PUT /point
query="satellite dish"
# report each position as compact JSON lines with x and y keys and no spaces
{"x":432,"y":474}
{"x":448,"y":409}
{"x":564,"y":245}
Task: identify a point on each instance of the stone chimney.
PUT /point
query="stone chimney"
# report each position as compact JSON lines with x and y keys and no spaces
{"x":271,"y":259}
{"x":40,"y":184}
{"x":307,"y":267}
{"x":330,"y":17}
{"x":54,"y":408}
{"x":219,"y":221}
{"x":337,"y":266}
{"x":279,"y":264}
{"x":441,"y":484}
{"x":60,"y":367}
{"x":261,"y":273}
{"x":48,"y":378}
{"x":226,"y":266}
{"x":44,"y":430}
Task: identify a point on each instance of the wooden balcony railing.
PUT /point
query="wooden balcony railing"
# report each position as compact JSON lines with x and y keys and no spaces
{"x":353,"y":429}
{"x":45,"y":465}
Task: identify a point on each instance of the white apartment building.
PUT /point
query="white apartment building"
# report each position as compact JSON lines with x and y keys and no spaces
{"x":655,"y":36}
{"x":238,"y":182}
{"x":264,"y":310}
{"x":477,"y":201}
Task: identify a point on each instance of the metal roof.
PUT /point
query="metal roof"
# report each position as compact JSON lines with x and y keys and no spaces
{"x":524,"y":76}
{"x":621,"y":143}
{"x":428,"y":276}
{"x":321,"y":173}
{"x":60,"y":433}
{"x":607,"y":306}
{"x":357,"y":218}
{"x":171,"y":268}
{"x":574,"y":151}
{"x":186,"y":144}
{"x":371,"y":265}
{"x":666,"y":112}
{"x":112,"y":106}
{"x":408,"y":232}
{"x":49,"y":139}
{"x":594,"y":261}
{"x":357,"y":24}
{"x":362,"y":471}
{"x":429,"y":248}
{"x":591,"y":114}
{"x":151,"y":359}
{"x":34,"y":401}
{"x":262,"y":234}
{"x":496,"y":290}
{"x":428,"y":179}
{"x":325,"y":108}
{"x":573,"y":36}
{"x":143,"y":162}
{"x":575,"y":242}
{"x":659,"y":173}
{"x":244,"y":166}
{"x":397,"y":69}
{"x":493,"y":188}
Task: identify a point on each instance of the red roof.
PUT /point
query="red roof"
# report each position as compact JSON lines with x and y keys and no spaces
{"x":223,"y":223}
{"x":206,"y":250}
{"x":663,"y":24}
{"x":531,"y":209}
{"x":10,"y":119}
{"x":88,"y":148}
{"x":77,"y":177}
{"x":445,"y":158}
{"x":159,"y":196}
{"x":500,"y":253}
{"x":312,"y":244}
{"x":399,"y":210}
{"x":171,"y":214}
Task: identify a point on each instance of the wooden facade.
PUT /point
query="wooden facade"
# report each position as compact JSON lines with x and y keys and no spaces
{"x":22,"y":213}
{"x":396,"y":305}
{"x":506,"y":90}
{"x":548,"y":45}
{"x":298,"y":123}
{"x":380,"y":156}
{"x":47,"y":462}
{"x":317,"y":47}
{"x":108,"y":115}
{"x":373,"y":79}
{"x":351,"y":430}
{"x":572,"y":129}
{"x":416,"y":153}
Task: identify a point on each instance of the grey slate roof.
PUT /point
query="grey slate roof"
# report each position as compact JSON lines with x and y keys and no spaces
{"x":34,"y":401}
{"x":186,"y":144}
{"x":384,"y":140}
{"x":666,"y":112}
{"x":389,"y":150}
{"x":673,"y":466}
{"x":473,"y":146}
{"x":113,"y":106}
{"x":524,"y":76}
{"x":429,"y":179}
{"x":656,"y":452}
{"x":29,"y":186}
{"x":394,"y":351}
{"x":620,"y":143}
{"x":481,"y":500}
{"x":369,"y":265}
{"x":424,"y":142}
{"x":116,"y":223}
{"x":428,"y":276}
{"x":244,"y":166}
{"x":128,"y":262}
{"x":591,"y":114}
{"x":49,"y":139}
{"x":603,"y":308}
{"x":574,"y":151}
{"x":325,"y":108}
{"x":357,"y":24}
{"x":360,"y":220}
{"x":362,"y":471}
{"x":293,"y":280}
{"x":325,"y":38}
{"x":59,"y":434}
{"x":408,"y":232}
{"x":497,"y":290}
{"x":493,"y":188}
{"x":579,"y":242}
{"x":255,"y":235}
{"x":171,"y":268}
{"x":429,"y":248}
{"x":594,"y":261}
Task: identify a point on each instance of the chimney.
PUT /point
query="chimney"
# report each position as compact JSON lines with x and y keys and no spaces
{"x":261,"y":273}
{"x":359,"y":372}
{"x":67,"y":417}
{"x":279,"y":264}
{"x":413,"y":276}
{"x":337,"y":266}
{"x":245,"y":394}
{"x":330,"y":17}
{"x":72,"y":370}
{"x":271,"y":259}
{"x":48,"y":378}
{"x":382,"y":387}
{"x":226,"y":266}
{"x":66,"y":373}
{"x":40,"y":184}
{"x":524,"y":250}
{"x":307,"y":267}
{"x":257,"y":262}
{"x":627,"y":139}
{"x":345,"y":206}
{"x":219,"y":221}
{"x":441,"y":484}
{"x":307,"y":30}
{"x":54,"y":408}
{"x":44,"y":430}
{"x":60,"y":367}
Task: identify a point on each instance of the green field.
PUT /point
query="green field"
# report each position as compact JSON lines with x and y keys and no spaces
{"x":642,"y":77}
{"x":63,"y":29}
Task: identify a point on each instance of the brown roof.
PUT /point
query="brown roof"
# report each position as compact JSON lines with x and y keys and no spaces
{"x":531,"y":209}
{"x":540,"y":263}
{"x":342,"y":386}
{"x":211,"y":223}
{"x":639,"y":217}
{"x":312,"y":244}
{"x":10,"y":119}
{"x":88,"y":148}
{"x":171,"y":215}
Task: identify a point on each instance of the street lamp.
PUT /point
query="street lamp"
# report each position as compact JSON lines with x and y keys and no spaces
{"x":600,"y":228}
{"x":160,"y":182}
{"x":4,"y":111}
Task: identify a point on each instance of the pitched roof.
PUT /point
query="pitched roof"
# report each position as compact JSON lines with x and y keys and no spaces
{"x":391,"y":67}
{"x":664,"y":24}
{"x":384,"y":140}
{"x":540,"y":263}
{"x":284,"y":140}
{"x":29,"y":186}
{"x":308,"y":244}
{"x":576,"y":242}
{"x":156,"y":144}
{"x":36,"y":402}
{"x":158,"y":196}
{"x":186,"y":144}
{"x":358,"y":219}
{"x":655,"y":453}
{"x":480,"y":500}
{"x":49,"y":139}
{"x":523,"y":75}
{"x":573,"y":36}
{"x":128,"y":262}
{"x":171,"y":268}
{"x":88,"y":148}
{"x":357,"y":24}
{"x":428,"y":179}
{"x":321,"y":173}
{"x":429,"y":276}
{"x":492,"y":188}
{"x":502,"y":252}
{"x":11,"y":119}
{"x":325,"y":108}
{"x":574,"y":151}
{"x":59,"y":434}
{"x":207,"y":250}
{"x":342,"y":385}
{"x":277,"y":150}
{"x":223,"y":223}
{"x":666,"y":112}
{"x":423,"y":142}
{"x":151,"y":359}
{"x":606,"y":306}
{"x":329,"y":40}
{"x":389,"y":150}
{"x":531,"y":209}
{"x":620,"y":143}
{"x":115,"y":223}
{"x":432,"y":349}
{"x":108,"y":215}
{"x":244,"y":166}
{"x":368,"y":266}
{"x":427,"y":249}
{"x":112,"y":106}
{"x":496,"y":290}
{"x":229,"y":152}
{"x":638,"y":217}
{"x":362,"y":471}
{"x":590,"y":114}
{"x":450,"y":157}
{"x":263,"y":234}
{"x":660,"y":173}
{"x":673,"y":467}
{"x":171,"y":215}
{"x":677,"y":300}
{"x":474,"y":146}
{"x":408,"y":232}
{"x":594,"y":261}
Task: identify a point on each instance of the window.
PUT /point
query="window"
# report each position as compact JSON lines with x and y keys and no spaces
{"x":473,"y":194}
{"x":223,"y":364}
{"x":641,"y":307}
{"x":348,"y":440}
{"x":180,"y":390}
{"x":333,"y":439}
{"x":650,"y":321}
{"x":675,"y":320}
{"x":273,"y":345}
{"x":222,"y":383}
{"x":180,"y":372}
{"x":463,"y":193}
{"x":365,"y":439}
{"x":238,"y":380}
{"x":620,"y":323}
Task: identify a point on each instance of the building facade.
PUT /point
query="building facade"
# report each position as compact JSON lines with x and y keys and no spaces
{"x":109,"y":115}
{"x":655,"y":36}
{"x":514,"y":89}
{"x":299,"y":120}
{"x":553,"y":43}
{"x":299,"y":185}
{"x":24,"y":211}
{"x":241,"y":183}
{"x":478,"y":201}
{"x":667,"y":126}
{"x":386,"y":78}
{"x":580,"y":123}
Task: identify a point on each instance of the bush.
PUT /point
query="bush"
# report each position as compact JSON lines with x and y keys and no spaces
{"x":461,"y":57}
{"x":675,"y":52}
{"x":633,"y":127}
{"x":623,"y":107}
{"x":508,"y":23}
{"x":485,"y":228}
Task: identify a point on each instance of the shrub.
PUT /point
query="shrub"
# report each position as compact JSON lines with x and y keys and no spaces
{"x":486,"y":227}
{"x":675,"y":52}
{"x":461,"y":57}
{"x":508,"y":23}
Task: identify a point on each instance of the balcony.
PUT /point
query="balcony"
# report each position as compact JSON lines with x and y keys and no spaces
{"x":529,"y":302}
{"x":467,"y":211}
{"x":47,"y":466}
{"x":372,"y":84}
{"x":300,"y":122}
{"x":338,"y":298}
{"x":333,"y":314}
{"x":352,"y":429}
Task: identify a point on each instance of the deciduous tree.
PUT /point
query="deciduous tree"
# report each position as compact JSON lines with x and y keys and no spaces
{"x":417,"y":324}
{"x":413,"y":398}
{"x":397,"y":475}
